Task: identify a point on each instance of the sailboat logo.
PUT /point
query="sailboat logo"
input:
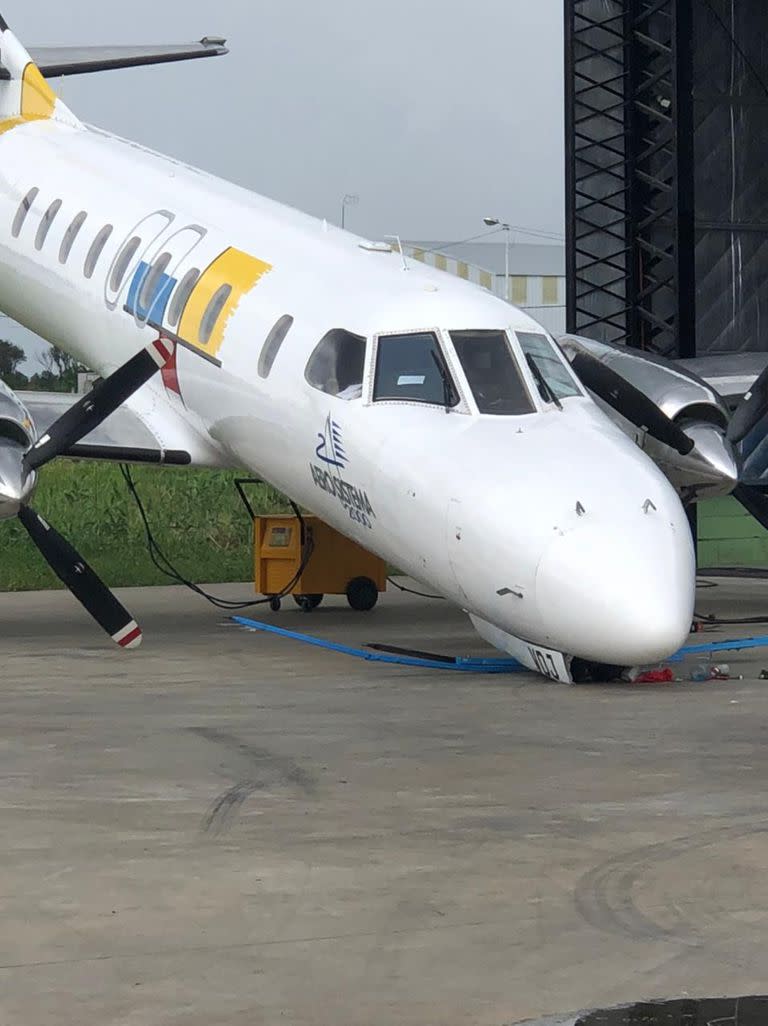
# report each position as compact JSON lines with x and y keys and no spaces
{"x":330,"y":449}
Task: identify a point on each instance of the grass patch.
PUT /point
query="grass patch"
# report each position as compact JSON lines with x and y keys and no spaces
{"x":196,"y":515}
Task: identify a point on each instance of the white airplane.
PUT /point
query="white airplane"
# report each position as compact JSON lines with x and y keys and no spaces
{"x":431,"y":422}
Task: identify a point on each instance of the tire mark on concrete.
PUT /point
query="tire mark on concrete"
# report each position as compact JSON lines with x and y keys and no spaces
{"x":604,"y":896}
{"x":254,"y":769}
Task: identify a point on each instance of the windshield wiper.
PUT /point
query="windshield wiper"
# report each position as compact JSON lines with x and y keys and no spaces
{"x":449,"y":395}
{"x":541,"y":381}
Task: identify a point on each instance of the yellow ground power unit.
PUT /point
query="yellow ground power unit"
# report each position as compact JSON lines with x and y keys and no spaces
{"x":336,"y":566}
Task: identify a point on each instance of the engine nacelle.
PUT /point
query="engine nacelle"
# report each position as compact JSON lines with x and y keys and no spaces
{"x":15,"y":420}
{"x":17,"y":435}
{"x":711,"y":468}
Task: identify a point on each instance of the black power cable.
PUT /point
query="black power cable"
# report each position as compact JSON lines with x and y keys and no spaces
{"x":166,"y":567}
{"x":410,"y":591}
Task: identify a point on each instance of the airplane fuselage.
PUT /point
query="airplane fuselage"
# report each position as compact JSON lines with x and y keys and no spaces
{"x":550,"y":527}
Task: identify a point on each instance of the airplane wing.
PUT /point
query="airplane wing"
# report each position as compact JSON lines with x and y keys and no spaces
{"x":710,"y":405}
{"x":145,"y":429}
{"x":730,"y":374}
{"x":55,"y":61}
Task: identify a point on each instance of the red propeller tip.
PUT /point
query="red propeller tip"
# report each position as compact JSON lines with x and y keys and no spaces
{"x":130,"y":636}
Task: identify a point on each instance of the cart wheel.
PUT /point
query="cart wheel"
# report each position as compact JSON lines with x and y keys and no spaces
{"x":307,"y":603}
{"x":362,"y":594}
{"x":275,"y":603}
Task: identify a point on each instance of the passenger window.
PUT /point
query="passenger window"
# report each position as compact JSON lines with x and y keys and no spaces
{"x":545,"y":358}
{"x":412,"y":367}
{"x":336,"y":365}
{"x":272,"y":344}
{"x":492,"y":372}
{"x":97,"y":248}
{"x":45,"y":225}
{"x":213,"y":312}
{"x":70,"y":235}
{"x":152,"y":280}
{"x":181,"y":295}
{"x":21,"y":214}
{"x":121,"y":263}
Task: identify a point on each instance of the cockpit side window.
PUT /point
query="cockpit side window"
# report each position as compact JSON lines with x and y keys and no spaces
{"x":492,"y":372}
{"x":412,"y":367}
{"x":336,"y":366}
{"x":549,"y":362}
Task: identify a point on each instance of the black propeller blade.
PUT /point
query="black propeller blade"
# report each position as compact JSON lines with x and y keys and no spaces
{"x":753,"y":501}
{"x":630,"y":402}
{"x":71,"y":568}
{"x":751,"y":410}
{"x":98,"y":404}
{"x":78,"y":421}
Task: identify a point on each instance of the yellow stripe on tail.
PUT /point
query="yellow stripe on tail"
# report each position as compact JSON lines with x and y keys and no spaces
{"x":25,"y":96}
{"x":38,"y":100}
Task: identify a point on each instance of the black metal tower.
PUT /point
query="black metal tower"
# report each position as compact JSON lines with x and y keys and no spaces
{"x":667,"y":177}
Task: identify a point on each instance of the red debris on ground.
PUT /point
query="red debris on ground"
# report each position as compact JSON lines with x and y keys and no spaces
{"x":662,"y":676}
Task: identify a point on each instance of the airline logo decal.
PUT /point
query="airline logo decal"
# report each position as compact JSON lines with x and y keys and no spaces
{"x":231,"y":276}
{"x":330,"y":449}
{"x":208,"y":304}
{"x":330,"y":452}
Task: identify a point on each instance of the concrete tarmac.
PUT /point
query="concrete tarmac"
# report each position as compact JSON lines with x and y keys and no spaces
{"x":230,"y":829}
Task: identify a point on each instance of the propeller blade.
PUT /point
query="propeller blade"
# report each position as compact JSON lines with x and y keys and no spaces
{"x":751,"y":410}
{"x":88,"y":589}
{"x":753,"y":501}
{"x":98,"y":404}
{"x":630,"y":402}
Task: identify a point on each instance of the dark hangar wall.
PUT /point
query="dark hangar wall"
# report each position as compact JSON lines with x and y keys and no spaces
{"x":667,"y":173}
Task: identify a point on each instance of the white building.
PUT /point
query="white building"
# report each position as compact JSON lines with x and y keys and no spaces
{"x":536,"y":273}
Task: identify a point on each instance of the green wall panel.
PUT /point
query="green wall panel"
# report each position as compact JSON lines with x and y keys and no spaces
{"x":729,"y":536}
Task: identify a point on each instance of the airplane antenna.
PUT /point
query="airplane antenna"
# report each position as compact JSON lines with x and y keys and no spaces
{"x":396,"y":238}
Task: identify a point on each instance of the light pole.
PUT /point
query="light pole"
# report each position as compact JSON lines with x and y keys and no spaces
{"x":350,"y":200}
{"x":494,"y":222}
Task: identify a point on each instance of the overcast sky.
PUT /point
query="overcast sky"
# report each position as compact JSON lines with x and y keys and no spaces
{"x":435,"y":112}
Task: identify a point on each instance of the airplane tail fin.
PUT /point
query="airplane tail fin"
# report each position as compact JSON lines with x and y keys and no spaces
{"x":24,"y":93}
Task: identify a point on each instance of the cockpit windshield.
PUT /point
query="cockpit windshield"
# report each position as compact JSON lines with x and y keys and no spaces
{"x":548,"y":364}
{"x":492,"y":372}
{"x":412,"y":367}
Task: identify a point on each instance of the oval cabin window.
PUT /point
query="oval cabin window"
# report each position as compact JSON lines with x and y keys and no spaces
{"x":21,"y":214}
{"x":70,"y":235}
{"x":122,"y":262}
{"x":181,"y":295}
{"x":213,"y":312}
{"x":272,"y":344}
{"x":97,"y":248}
{"x":45,"y":225}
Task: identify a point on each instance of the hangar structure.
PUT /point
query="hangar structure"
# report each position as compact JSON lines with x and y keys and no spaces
{"x":666,"y":176}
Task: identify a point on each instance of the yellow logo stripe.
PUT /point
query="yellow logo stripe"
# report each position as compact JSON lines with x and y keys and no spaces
{"x":234,"y":268}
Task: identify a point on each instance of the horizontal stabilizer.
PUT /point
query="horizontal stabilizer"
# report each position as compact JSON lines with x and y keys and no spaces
{"x":55,"y":61}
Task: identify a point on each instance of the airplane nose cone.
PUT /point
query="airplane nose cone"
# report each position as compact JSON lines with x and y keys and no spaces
{"x":619,"y":594}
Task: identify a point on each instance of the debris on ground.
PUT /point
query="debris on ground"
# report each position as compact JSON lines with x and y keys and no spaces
{"x":662,"y":675}
{"x":710,"y":671}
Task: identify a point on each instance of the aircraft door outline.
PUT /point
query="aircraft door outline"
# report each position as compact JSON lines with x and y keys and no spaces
{"x":157,"y":223}
{"x":180,"y":245}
